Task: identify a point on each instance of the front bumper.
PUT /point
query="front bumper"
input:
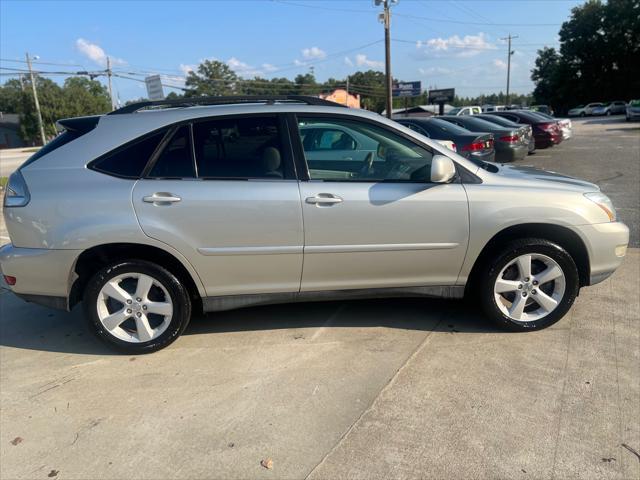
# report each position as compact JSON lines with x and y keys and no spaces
{"x":607,"y":245}
{"x":43,"y":276}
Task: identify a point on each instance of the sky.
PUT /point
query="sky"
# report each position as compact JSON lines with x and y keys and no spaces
{"x":442,"y":43}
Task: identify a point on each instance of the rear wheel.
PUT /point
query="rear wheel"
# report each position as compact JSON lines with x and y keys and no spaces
{"x":136,"y":306}
{"x":530,"y":286}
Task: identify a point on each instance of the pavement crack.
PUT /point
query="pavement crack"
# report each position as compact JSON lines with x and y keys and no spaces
{"x":371,"y":406}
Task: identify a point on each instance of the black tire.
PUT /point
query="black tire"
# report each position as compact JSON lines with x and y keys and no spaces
{"x":511,"y":251}
{"x":582,"y":114}
{"x":179,"y":297}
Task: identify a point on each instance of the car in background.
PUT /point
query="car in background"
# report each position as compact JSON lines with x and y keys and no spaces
{"x":617,"y":107}
{"x":633,"y":110}
{"x":546,"y":133}
{"x":564,"y":124}
{"x":584,"y":110}
{"x":542,"y":108}
{"x":509,"y":144}
{"x":526,"y":130}
{"x":493,"y":108}
{"x":471,"y":110}
{"x":473,"y":146}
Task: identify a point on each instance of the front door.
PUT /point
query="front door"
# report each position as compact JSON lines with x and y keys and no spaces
{"x":223,"y":192}
{"x":380,"y":223}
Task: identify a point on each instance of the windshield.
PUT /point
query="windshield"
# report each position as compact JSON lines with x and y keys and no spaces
{"x":440,"y":126}
{"x":500,"y":121}
{"x":454,"y":111}
{"x":634,"y":103}
{"x":483,"y":125}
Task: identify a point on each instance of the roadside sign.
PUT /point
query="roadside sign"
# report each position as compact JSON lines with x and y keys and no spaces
{"x":154,"y":87}
{"x":441,"y":96}
{"x":406,"y":89}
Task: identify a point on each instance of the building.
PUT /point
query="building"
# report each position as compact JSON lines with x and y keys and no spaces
{"x":340,"y":95}
{"x":10,"y":131}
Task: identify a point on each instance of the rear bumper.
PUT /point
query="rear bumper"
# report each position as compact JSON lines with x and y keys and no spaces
{"x":511,"y":153}
{"x":42,"y":275}
{"x":607,"y":245}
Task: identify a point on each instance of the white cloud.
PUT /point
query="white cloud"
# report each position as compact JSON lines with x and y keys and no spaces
{"x":299,"y":63}
{"x":433,"y":71}
{"x":244,"y":69}
{"x":347,"y":61}
{"x":361,"y":60}
{"x":96,"y":53}
{"x":502,"y":65}
{"x":467,"y":46}
{"x":313,"y":53}
{"x":187,"y":68}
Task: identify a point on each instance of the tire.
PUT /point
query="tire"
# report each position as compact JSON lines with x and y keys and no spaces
{"x":520,"y":290}
{"x":608,"y":113}
{"x":110,"y":299}
{"x":582,"y":114}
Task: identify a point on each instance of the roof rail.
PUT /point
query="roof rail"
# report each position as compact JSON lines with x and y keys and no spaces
{"x":225,"y":100}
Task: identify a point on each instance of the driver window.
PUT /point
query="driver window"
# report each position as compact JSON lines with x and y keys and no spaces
{"x":358,"y":151}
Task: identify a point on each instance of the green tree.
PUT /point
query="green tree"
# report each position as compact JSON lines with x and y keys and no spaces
{"x":597,"y":59}
{"x":210,"y":79}
{"x":82,"y":96}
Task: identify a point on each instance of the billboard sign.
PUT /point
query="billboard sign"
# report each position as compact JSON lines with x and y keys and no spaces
{"x":441,"y":96}
{"x":154,"y":87}
{"x":406,"y":89}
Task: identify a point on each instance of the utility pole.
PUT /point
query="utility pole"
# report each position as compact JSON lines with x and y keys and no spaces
{"x":386,"y":20}
{"x":509,"y":53}
{"x":346,"y":97}
{"x":113,"y":107}
{"x":43,"y":138}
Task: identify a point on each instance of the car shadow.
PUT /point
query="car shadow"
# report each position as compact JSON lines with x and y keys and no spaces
{"x":606,"y":120}
{"x":52,"y":331}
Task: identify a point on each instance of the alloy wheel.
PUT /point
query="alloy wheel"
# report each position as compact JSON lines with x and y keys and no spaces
{"x":134,"y":307}
{"x":529,"y":287}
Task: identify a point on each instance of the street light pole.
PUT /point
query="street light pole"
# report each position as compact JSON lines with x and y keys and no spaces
{"x":113,"y":105}
{"x":43,"y":138}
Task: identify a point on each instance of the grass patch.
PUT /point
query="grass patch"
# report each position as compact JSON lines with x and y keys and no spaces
{"x":3,"y":182}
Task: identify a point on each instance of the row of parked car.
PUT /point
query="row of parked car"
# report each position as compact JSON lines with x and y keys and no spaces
{"x":618,"y":107}
{"x":498,"y":136}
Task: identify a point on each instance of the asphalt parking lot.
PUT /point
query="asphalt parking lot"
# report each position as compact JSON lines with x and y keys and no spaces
{"x":378,"y":389}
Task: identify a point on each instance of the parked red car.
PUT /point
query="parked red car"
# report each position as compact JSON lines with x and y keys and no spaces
{"x":545,"y":132}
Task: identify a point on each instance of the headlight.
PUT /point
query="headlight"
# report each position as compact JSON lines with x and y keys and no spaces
{"x":604,"y":203}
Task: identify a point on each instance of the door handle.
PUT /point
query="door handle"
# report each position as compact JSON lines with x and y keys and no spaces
{"x":161,"y":197}
{"x":324,"y":199}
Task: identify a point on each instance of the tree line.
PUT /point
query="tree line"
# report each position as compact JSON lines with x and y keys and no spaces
{"x":598,"y":58}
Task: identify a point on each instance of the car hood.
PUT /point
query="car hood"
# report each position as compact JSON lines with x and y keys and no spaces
{"x":544,"y":178}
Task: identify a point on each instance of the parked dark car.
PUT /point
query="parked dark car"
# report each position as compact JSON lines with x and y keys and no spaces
{"x":546,"y":133}
{"x":527,"y":131}
{"x":509,"y":144}
{"x":471,"y":145}
{"x":542,"y":108}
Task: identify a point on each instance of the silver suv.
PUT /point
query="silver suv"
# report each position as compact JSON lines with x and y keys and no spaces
{"x":161,"y":209}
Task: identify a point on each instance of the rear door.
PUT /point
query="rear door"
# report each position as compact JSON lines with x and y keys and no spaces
{"x":223,"y":192}
{"x":383,"y":224}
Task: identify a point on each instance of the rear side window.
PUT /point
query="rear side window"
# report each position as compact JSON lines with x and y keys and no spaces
{"x":239,"y":148}
{"x":176,"y":160}
{"x":130,"y":160}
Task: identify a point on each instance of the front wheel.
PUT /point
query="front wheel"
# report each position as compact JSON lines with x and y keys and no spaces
{"x":530,"y":286}
{"x":136,"y":306}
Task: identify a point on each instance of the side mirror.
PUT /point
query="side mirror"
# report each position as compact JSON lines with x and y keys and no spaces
{"x":442,"y":169}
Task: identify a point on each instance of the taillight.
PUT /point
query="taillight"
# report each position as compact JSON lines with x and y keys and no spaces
{"x":547,"y":127}
{"x":453,"y":147}
{"x":16,"y":193}
{"x":10,"y":280}
{"x":475,"y":146}
{"x":510,"y":138}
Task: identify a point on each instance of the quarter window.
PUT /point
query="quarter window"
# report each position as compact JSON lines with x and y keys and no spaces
{"x":130,"y":161}
{"x":239,"y":148}
{"x":380,"y":154}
